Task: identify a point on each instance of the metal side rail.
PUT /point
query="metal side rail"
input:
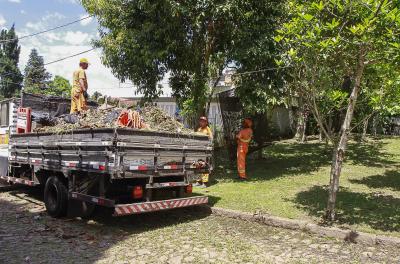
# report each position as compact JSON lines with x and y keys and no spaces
{"x":18,"y":180}
{"x":145,"y":207}
{"x":91,"y":199}
{"x":166,"y":185}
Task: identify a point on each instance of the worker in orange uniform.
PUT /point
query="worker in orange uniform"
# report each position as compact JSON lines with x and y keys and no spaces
{"x":204,"y":129}
{"x":243,"y":139}
{"x":79,"y":88}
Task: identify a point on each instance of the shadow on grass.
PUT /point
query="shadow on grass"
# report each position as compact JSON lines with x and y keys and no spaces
{"x":390,"y":179}
{"x":293,"y":158}
{"x":278,"y":161}
{"x":380,"y":212}
{"x":368,"y":154}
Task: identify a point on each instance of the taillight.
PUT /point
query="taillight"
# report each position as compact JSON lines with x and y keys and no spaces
{"x":137,"y":192}
{"x":189,"y":188}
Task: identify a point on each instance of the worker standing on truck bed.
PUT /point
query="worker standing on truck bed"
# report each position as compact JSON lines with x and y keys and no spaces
{"x":79,"y":88}
{"x":204,"y":129}
{"x":243,"y":140}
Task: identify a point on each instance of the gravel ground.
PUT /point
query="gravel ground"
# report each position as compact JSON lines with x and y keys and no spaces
{"x":28,"y":235}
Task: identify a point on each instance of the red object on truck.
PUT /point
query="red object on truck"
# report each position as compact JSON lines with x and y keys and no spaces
{"x":24,"y":120}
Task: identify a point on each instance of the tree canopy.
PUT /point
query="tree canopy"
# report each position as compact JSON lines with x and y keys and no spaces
{"x":331,"y":46}
{"x":10,"y":75}
{"x":59,"y":86}
{"x":193,"y":41}
{"x":36,"y":77}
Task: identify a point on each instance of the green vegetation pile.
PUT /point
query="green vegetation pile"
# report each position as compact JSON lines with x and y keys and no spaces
{"x":155,"y":119}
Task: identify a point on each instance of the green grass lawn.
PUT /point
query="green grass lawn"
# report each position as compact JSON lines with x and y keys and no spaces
{"x":291,"y":181}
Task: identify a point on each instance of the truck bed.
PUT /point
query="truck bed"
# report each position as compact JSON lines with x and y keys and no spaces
{"x":118,"y":152}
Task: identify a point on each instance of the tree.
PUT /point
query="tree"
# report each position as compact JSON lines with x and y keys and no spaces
{"x":326,"y":41}
{"x":194,"y":41}
{"x":10,"y":75}
{"x":96,"y":95}
{"x":36,"y":79}
{"x":382,"y":102}
{"x":59,"y":87}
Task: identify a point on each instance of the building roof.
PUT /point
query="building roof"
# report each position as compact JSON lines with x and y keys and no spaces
{"x":9,"y":100}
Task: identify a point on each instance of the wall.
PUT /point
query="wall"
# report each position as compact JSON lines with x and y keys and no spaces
{"x":280,"y":120}
{"x":10,"y":125}
{"x":214,"y":116}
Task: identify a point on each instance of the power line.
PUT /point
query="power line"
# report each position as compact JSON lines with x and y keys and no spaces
{"x":262,"y":70}
{"x":58,"y":60}
{"x":71,"y":56}
{"x":237,"y":74}
{"x":47,"y":30}
{"x":74,"y":55}
{"x":105,"y":88}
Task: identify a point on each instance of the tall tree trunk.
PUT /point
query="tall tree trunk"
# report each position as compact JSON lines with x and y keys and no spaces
{"x":375,"y":125}
{"x":324,"y":128}
{"x":304,"y":135}
{"x":292,"y":120}
{"x":339,"y":151}
{"x":365,"y":129}
{"x":300,"y":127}
{"x":301,"y":123}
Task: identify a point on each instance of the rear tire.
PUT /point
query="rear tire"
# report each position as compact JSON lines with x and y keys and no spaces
{"x":56,"y":197}
{"x":87,"y":210}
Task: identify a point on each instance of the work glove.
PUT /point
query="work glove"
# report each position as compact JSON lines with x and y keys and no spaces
{"x":86,"y":95}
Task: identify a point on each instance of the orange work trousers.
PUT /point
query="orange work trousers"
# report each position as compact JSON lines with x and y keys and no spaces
{"x":242,"y":150}
{"x":78,"y":101}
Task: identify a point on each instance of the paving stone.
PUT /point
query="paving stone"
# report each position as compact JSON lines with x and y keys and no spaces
{"x":314,"y":246}
{"x":165,"y":237}
{"x":367,"y":254}
{"x":175,"y":260}
{"x":189,"y":259}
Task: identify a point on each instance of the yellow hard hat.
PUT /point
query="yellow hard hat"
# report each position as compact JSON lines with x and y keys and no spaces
{"x":84,"y":60}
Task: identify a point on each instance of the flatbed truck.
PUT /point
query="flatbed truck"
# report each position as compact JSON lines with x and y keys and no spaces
{"x":128,"y":171}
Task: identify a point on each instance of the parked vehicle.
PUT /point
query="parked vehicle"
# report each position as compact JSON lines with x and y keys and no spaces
{"x":129,"y":171}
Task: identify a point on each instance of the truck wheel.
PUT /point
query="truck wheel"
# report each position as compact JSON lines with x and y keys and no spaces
{"x":56,"y":197}
{"x":87,"y":210}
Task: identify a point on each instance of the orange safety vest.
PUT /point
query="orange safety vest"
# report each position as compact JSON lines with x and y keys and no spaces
{"x":244,"y":138}
{"x":245,"y":135}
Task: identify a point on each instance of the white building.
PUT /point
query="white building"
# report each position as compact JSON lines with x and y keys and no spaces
{"x":8,"y":118}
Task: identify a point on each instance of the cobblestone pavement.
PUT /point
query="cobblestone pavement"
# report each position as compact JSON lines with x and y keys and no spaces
{"x":28,"y":235}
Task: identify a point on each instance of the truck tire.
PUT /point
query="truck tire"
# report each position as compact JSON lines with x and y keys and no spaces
{"x":87,"y":210}
{"x":56,"y":197}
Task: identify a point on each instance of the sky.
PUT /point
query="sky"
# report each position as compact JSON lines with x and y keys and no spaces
{"x":31,"y":16}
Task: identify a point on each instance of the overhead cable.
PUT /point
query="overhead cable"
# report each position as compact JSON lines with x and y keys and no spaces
{"x":45,"y":31}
